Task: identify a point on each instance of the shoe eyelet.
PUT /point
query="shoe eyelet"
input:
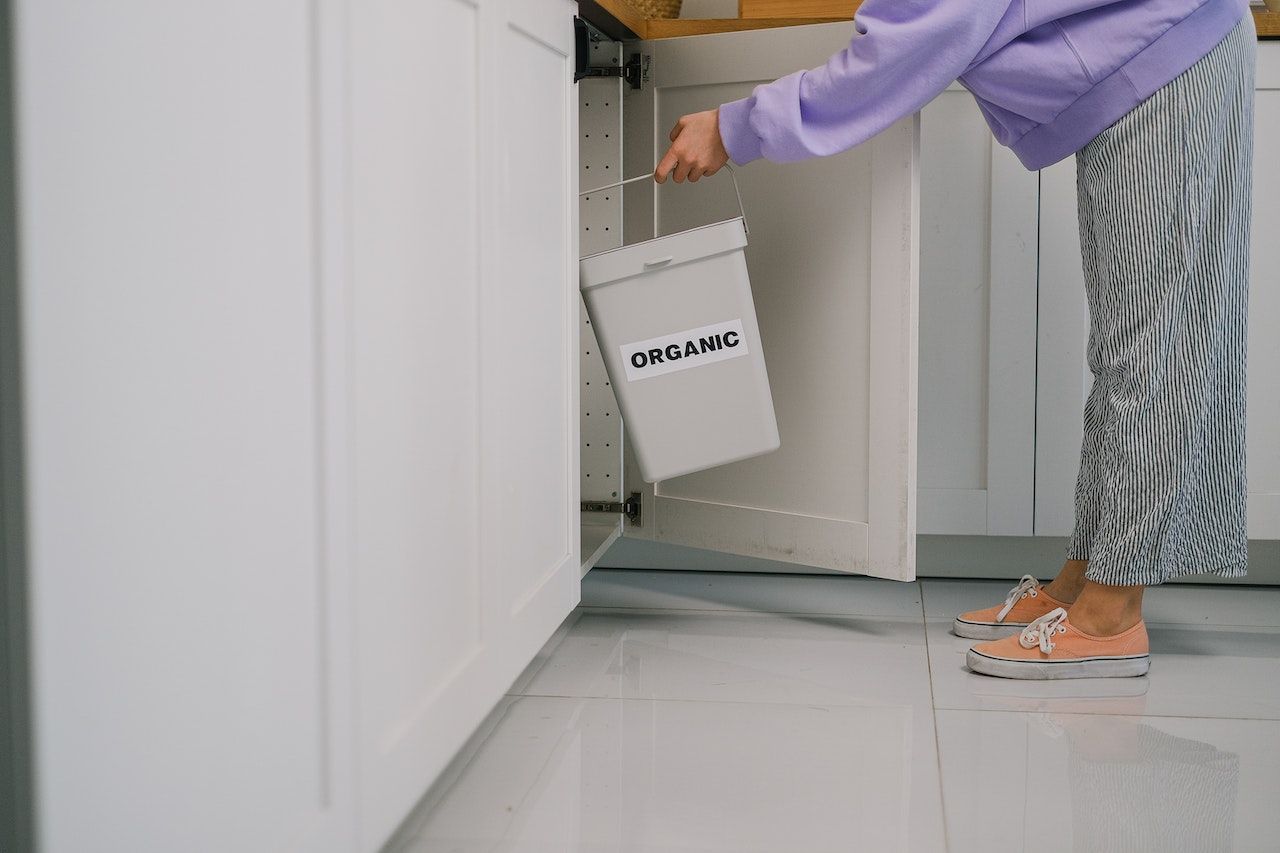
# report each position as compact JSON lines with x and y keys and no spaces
{"x":1062,"y":629}
{"x":1033,"y":593}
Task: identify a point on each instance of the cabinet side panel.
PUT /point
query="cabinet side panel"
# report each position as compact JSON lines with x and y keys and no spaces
{"x":600,"y":227}
{"x":16,"y":818}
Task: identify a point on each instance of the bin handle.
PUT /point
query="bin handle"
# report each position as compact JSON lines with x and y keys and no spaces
{"x":732,"y":174}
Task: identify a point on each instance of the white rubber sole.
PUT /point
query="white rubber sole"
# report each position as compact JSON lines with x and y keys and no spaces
{"x":1100,"y":667}
{"x":986,"y":630}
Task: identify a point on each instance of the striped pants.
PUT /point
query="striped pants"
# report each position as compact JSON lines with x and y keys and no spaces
{"x":1164,"y":201}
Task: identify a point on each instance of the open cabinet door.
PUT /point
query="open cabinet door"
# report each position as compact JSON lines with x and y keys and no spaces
{"x":832,"y":255}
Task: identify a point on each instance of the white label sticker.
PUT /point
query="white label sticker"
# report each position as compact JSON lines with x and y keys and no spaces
{"x":683,"y":350}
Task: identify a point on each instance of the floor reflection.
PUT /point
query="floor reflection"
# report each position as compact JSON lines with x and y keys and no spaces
{"x":1092,"y":782}
{"x":1137,"y":787}
{"x":646,"y":730}
{"x":637,"y":775}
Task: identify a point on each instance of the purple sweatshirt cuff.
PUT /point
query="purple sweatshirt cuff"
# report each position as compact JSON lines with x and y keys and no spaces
{"x":735,"y":131}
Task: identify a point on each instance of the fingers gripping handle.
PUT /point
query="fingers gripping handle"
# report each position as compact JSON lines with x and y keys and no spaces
{"x":732,"y":175}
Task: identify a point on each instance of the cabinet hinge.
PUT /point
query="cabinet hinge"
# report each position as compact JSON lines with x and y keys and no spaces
{"x":630,"y":507}
{"x":635,"y":72}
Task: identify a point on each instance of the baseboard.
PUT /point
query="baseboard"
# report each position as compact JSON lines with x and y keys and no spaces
{"x":936,"y":557}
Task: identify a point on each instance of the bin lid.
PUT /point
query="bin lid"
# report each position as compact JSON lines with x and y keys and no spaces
{"x":661,"y":253}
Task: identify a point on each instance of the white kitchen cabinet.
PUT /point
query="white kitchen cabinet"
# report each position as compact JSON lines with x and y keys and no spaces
{"x":833,"y":261}
{"x":301,"y":340}
{"x":300,"y":373}
{"x":1063,"y":379}
{"x":1004,"y":326}
{"x":978,"y":209}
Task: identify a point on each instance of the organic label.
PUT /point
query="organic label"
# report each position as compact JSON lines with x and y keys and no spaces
{"x":683,"y":350}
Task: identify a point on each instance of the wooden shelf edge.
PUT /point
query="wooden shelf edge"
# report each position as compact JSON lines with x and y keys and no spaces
{"x":1268,"y":23}
{"x":665,"y":28}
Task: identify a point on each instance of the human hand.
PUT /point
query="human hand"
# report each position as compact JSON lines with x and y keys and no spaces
{"x":696,"y":149}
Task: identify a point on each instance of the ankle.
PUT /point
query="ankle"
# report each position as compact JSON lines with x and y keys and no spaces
{"x":1104,"y":611}
{"x":1102,"y":624}
{"x":1059,"y":590}
{"x":1069,"y":583}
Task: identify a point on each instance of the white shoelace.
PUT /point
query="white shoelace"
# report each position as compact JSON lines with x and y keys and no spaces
{"x":1042,"y":630}
{"x":1027,"y":586}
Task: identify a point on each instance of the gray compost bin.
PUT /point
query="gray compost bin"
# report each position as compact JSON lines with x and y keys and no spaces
{"x":677,"y":329}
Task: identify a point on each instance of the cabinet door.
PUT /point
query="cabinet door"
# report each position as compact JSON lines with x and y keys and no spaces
{"x":179,"y":592}
{"x":463,"y":323}
{"x":1063,"y":375}
{"x":833,"y":262}
{"x":978,"y":218}
{"x":1264,"y":304}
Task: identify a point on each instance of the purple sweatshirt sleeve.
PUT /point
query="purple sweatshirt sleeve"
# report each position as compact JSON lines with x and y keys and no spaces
{"x":904,"y":53}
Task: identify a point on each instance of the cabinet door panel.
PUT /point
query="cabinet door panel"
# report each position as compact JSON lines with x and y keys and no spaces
{"x":833,"y":269}
{"x":179,"y":581}
{"x":1264,"y":305}
{"x":1062,"y":374}
{"x":977,"y":326}
{"x":464,"y":359}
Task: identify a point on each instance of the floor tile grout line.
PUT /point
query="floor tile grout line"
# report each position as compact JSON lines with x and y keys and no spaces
{"x":818,"y":706}
{"x":933,"y":714}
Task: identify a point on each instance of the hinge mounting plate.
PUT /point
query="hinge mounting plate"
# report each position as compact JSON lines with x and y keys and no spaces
{"x":630,"y":507}
{"x":635,"y":72}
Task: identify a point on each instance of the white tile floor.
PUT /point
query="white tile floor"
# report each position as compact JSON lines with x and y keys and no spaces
{"x":711,"y":712}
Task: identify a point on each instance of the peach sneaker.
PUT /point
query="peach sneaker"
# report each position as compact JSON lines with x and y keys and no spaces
{"x":1024,"y":604}
{"x":1051,"y":647}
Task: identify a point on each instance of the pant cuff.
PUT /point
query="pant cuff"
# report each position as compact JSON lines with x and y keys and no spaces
{"x":1111,"y":576}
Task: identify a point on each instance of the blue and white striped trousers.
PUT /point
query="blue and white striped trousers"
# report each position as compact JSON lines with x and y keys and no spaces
{"x":1165,"y":197}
